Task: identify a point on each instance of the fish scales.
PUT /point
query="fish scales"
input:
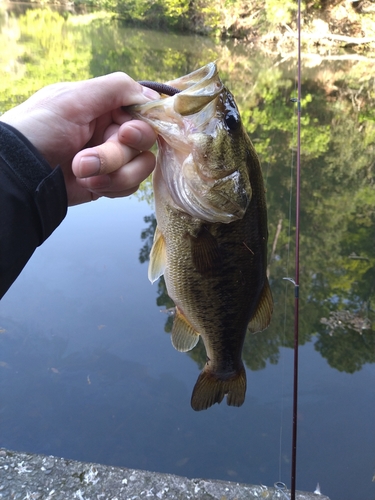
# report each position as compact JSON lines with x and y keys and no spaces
{"x":211,"y":237}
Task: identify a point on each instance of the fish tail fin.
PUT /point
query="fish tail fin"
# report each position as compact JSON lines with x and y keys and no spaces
{"x":211,"y":388}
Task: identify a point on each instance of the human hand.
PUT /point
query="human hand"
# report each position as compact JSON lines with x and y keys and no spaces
{"x":82,"y":127}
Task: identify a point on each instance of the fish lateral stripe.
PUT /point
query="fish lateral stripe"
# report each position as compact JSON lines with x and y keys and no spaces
{"x":210,"y":388}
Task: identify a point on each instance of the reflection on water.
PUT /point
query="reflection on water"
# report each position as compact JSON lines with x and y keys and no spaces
{"x":346,"y":340}
{"x":86,"y":369}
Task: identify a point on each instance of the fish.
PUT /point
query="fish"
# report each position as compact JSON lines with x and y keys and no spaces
{"x":210,"y":242}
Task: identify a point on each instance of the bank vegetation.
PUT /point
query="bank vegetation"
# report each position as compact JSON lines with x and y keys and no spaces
{"x":327,"y":24}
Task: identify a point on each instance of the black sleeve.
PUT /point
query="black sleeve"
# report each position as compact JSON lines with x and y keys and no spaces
{"x":33,"y":202}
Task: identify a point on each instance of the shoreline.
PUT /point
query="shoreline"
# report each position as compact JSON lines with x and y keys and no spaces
{"x":41,"y":477}
{"x":334,"y":30}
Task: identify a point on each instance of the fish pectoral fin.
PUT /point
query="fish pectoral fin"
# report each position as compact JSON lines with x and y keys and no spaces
{"x":184,"y":337}
{"x":262,"y":316}
{"x":205,"y":251}
{"x":210,"y":389}
{"x":158,"y":257}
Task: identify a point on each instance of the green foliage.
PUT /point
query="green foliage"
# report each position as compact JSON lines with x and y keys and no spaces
{"x":176,"y":8}
{"x":42,"y":47}
{"x":232,"y":18}
{"x":156,"y":13}
{"x":280,"y":11}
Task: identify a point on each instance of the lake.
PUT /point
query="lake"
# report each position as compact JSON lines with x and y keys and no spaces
{"x":87,"y":369}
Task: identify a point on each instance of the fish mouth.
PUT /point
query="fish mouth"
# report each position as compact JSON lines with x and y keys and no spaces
{"x":197,"y":89}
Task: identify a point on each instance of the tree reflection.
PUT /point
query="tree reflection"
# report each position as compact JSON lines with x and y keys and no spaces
{"x":345,"y":339}
{"x":347,"y":351}
{"x":147,"y":235}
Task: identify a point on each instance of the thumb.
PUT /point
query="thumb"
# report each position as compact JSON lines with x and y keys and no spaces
{"x":118,"y":150}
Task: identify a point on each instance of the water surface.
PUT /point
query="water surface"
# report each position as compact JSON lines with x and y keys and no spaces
{"x":87,"y":370}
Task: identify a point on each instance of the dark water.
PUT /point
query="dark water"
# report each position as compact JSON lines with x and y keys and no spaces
{"x":87,"y":370}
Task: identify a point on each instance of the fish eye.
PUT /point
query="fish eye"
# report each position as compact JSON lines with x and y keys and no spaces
{"x":232,"y":119}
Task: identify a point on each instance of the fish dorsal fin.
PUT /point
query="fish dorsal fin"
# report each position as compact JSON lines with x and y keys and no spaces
{"x":262,"y":316}
{"x":205,"y":252}
{"x":184,"y":337}
{"x":158,"y":257}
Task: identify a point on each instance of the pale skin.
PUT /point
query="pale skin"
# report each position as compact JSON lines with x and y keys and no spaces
{"x":82,"y":127}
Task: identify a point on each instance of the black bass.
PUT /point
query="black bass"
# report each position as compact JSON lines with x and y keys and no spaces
{"x":211,"y":238}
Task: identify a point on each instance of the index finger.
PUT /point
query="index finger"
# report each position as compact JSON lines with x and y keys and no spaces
{"x":97,"y":96}
{"x":112,"y":91}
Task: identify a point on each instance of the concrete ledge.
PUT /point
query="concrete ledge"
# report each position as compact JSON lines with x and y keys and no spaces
{"x":25,"y":476}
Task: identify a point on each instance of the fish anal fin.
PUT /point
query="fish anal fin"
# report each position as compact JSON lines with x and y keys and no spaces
{"x":262,"y":316}
{"x":184,"y":337}
{"x":210,"y":388}
{"x":205,"y":252}
{"x":158,"y":257}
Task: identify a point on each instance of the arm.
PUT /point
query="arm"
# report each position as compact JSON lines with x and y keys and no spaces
{"x":81,"y":127}
{"x":33,"y":202}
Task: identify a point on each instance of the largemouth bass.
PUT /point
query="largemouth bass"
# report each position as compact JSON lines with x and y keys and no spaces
{"x":211,"y":236}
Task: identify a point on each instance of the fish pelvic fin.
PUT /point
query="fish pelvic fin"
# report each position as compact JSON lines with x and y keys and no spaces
{"x":262,"y":316}
{"x":184,"y":337}
{"x":158,"y":257}
{"x":210,"y":389}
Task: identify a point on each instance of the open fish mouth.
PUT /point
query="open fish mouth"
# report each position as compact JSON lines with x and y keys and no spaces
{"x":196,"y":90}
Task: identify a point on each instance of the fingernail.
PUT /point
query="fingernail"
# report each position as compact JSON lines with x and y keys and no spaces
{"x":150,"y":94}
{"x":89,"y":165}
{"x":133,"y":136}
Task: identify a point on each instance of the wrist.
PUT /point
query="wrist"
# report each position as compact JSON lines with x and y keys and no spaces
{"x":22,"y":156}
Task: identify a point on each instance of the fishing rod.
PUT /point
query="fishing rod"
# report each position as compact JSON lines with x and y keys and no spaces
{"x":296,"y":279}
